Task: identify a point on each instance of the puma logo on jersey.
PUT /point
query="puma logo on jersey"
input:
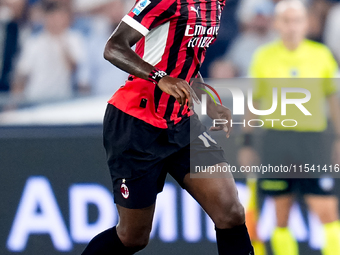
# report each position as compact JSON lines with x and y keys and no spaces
{"x":195,"y":10}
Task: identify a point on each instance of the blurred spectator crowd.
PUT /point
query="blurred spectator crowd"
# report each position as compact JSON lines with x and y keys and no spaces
{"x":52,"y":50}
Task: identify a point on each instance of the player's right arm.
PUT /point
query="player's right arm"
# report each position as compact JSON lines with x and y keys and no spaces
{"x":118,"y":52}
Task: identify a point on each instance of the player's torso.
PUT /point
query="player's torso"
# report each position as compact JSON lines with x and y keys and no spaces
{"x":178,"y":46}
{"x":200,"y":22}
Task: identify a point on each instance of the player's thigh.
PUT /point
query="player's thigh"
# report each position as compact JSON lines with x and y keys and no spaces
{"x":135,"y":225}
{"x":217,"y":196}
{"x":326,"y":207}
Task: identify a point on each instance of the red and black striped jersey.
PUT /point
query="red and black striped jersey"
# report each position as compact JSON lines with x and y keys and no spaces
{"x":177,"y":34}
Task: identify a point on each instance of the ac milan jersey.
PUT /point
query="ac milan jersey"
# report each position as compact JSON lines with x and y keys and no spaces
{"x":177,"y":34}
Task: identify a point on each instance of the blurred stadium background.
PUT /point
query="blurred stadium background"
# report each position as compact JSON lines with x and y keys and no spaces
{"x":54,"y":185}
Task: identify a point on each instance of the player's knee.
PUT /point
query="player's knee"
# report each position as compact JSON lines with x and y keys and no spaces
{"x":136,"y":240}
{"x":231,"y":215}
{"x":136,"y":243}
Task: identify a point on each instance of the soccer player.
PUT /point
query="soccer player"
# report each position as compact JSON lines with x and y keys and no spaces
{"x":150,"y":129}
{"x":295,"y":57}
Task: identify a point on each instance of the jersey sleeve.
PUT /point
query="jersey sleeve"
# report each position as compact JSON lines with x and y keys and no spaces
{"x":222,"y":3}
{"x":147,"y":14}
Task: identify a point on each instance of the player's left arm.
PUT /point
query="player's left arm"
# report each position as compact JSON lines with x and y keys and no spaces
{"x":334,"y":108}
{"x":214,"y":111}
{"x":118,"y":52}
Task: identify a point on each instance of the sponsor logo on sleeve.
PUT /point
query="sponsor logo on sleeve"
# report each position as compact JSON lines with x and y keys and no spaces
{"x":140,"y":6}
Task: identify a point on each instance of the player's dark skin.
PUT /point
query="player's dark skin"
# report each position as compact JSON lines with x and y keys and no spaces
{"x":218,"y":197}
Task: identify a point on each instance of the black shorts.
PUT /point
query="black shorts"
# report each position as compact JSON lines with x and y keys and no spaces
{"x":297,"y":148}
{"x":140,"y":155}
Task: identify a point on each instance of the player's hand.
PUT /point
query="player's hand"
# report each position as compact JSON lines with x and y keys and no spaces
{"x":220,"y":112}
{"x":179,"y":89}
{"x":247,"y":156}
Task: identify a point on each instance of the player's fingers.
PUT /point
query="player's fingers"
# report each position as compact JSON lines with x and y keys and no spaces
{"x":228,"y":127}
{"x":216,"y":128}
{"x":177,"y":97}
{"x":181,"y":100}
{"x":193,"y":94}
{"x":186,"y":89}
